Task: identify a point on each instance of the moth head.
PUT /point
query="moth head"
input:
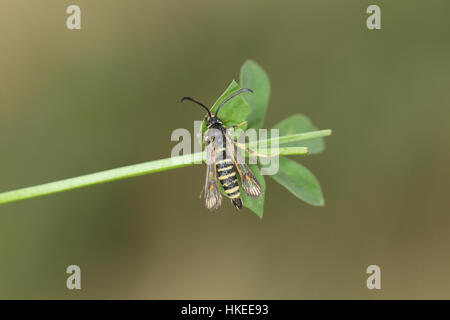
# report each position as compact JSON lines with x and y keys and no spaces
{"x":211,"y":120}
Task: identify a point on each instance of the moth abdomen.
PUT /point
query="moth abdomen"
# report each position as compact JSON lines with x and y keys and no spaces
{"x":226,"y":174}
{"x":237,"y":203}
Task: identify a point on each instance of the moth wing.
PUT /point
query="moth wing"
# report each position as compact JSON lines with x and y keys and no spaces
{"x":213,"y":197}
{"x":249,"y":182}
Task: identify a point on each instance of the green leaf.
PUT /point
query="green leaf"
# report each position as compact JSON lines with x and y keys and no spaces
{"x":299,"y":181}
{"x":254,"y":77}
{"x":235,"y":111}
{"x":255,"y":204}
{"x":299,"y":123}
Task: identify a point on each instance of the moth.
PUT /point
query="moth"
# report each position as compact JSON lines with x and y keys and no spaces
{"x":224,"y":162}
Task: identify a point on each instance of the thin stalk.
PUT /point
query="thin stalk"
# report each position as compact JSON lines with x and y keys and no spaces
{"x":294,"y":137}
{"x":140,"y":169}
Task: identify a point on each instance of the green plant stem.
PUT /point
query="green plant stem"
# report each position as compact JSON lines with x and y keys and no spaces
{"x":294,"y":137}
{"x":140,"y":169}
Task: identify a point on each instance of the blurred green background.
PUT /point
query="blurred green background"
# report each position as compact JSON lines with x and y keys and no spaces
{"x":77,"y":102}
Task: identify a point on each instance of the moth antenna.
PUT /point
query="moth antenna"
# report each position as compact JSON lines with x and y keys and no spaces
{"x":197,"y":102}
{"x":231,"y":96}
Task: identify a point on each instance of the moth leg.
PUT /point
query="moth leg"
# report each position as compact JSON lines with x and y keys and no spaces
{"x":245,"y":148}
{"x":240,"y":124}
{"x":250,"y":151}
{"x":254,"y":153}
{"x":201,"y":192}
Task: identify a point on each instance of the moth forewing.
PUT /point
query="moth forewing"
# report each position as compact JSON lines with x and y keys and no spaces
{"x":213,"y":198}
{"x":250,"y":184}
